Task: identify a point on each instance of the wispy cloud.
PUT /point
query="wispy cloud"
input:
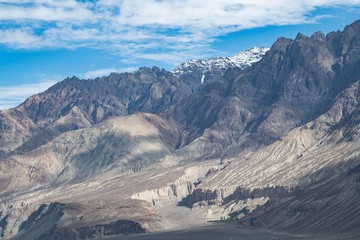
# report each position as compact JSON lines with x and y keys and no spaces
{"x":11,"y":96}
{"x":105,"y":72}
{"x":150,"y":29}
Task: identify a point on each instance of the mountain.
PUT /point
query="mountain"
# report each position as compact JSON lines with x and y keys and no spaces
{"x":196,"y":73}
{"x":275,"y":145}
{"x":121,"y":144}
{"x":74,"y":104}
{"x":294,"y":83}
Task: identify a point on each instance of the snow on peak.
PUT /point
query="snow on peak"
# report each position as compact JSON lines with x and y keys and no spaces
{"x":248,"y":57}
{"x":242,"y":60}
{"x":202,"y":79}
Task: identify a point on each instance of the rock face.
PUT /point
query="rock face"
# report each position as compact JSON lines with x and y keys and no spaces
{"x":15,"y":128}
{"x":276,"y":144}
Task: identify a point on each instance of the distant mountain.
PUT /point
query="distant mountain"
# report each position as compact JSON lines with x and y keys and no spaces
{"x":198,"y":72}
{"x":73,"y":104}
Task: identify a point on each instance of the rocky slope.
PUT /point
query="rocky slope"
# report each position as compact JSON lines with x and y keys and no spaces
{"x":306,"y":182}
{"x":116,"y":146}
{"x":275,"y":145}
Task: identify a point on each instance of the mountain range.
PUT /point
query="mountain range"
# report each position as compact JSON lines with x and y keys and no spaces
{"x":267,"y":138}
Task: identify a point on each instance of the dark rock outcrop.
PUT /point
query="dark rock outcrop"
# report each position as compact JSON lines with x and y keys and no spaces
{"x":118,"y":228}
{"x":41,"y":221}
{"x":42,"y":224}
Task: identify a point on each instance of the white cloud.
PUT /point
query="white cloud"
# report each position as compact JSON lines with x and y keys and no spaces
{"x":11,"y":96}
{"x":9,"y":103}
{"x":152,"y":29}
{"x":45,"y":11}
{"x":22,"y":38}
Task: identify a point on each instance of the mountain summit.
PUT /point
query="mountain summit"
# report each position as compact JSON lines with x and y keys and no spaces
{"x":198,"y":72}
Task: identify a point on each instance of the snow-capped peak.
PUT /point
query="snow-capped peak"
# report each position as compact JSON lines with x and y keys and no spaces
{"x":248,"y":57}
{"x":207,"y":69}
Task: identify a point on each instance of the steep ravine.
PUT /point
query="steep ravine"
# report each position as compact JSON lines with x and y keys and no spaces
{"x":178,"y":189}
{"x":185,"y":197}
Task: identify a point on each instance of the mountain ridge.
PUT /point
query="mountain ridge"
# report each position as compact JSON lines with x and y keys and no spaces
{"x":70,"y":97}
{"x":199,"y":72}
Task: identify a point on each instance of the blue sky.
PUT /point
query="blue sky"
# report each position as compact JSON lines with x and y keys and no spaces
{"x":44,"y":41}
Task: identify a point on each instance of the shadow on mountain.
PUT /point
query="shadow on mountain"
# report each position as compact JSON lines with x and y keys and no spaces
{"x":42,"y":225}
{"x":329,"y":205}
{"x":120,"y":154}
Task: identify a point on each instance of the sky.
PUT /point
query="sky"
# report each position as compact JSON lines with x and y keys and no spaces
{"x":44,"y":41}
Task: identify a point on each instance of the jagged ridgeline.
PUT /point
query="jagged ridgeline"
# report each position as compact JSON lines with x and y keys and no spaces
{"x":268,"y":138}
